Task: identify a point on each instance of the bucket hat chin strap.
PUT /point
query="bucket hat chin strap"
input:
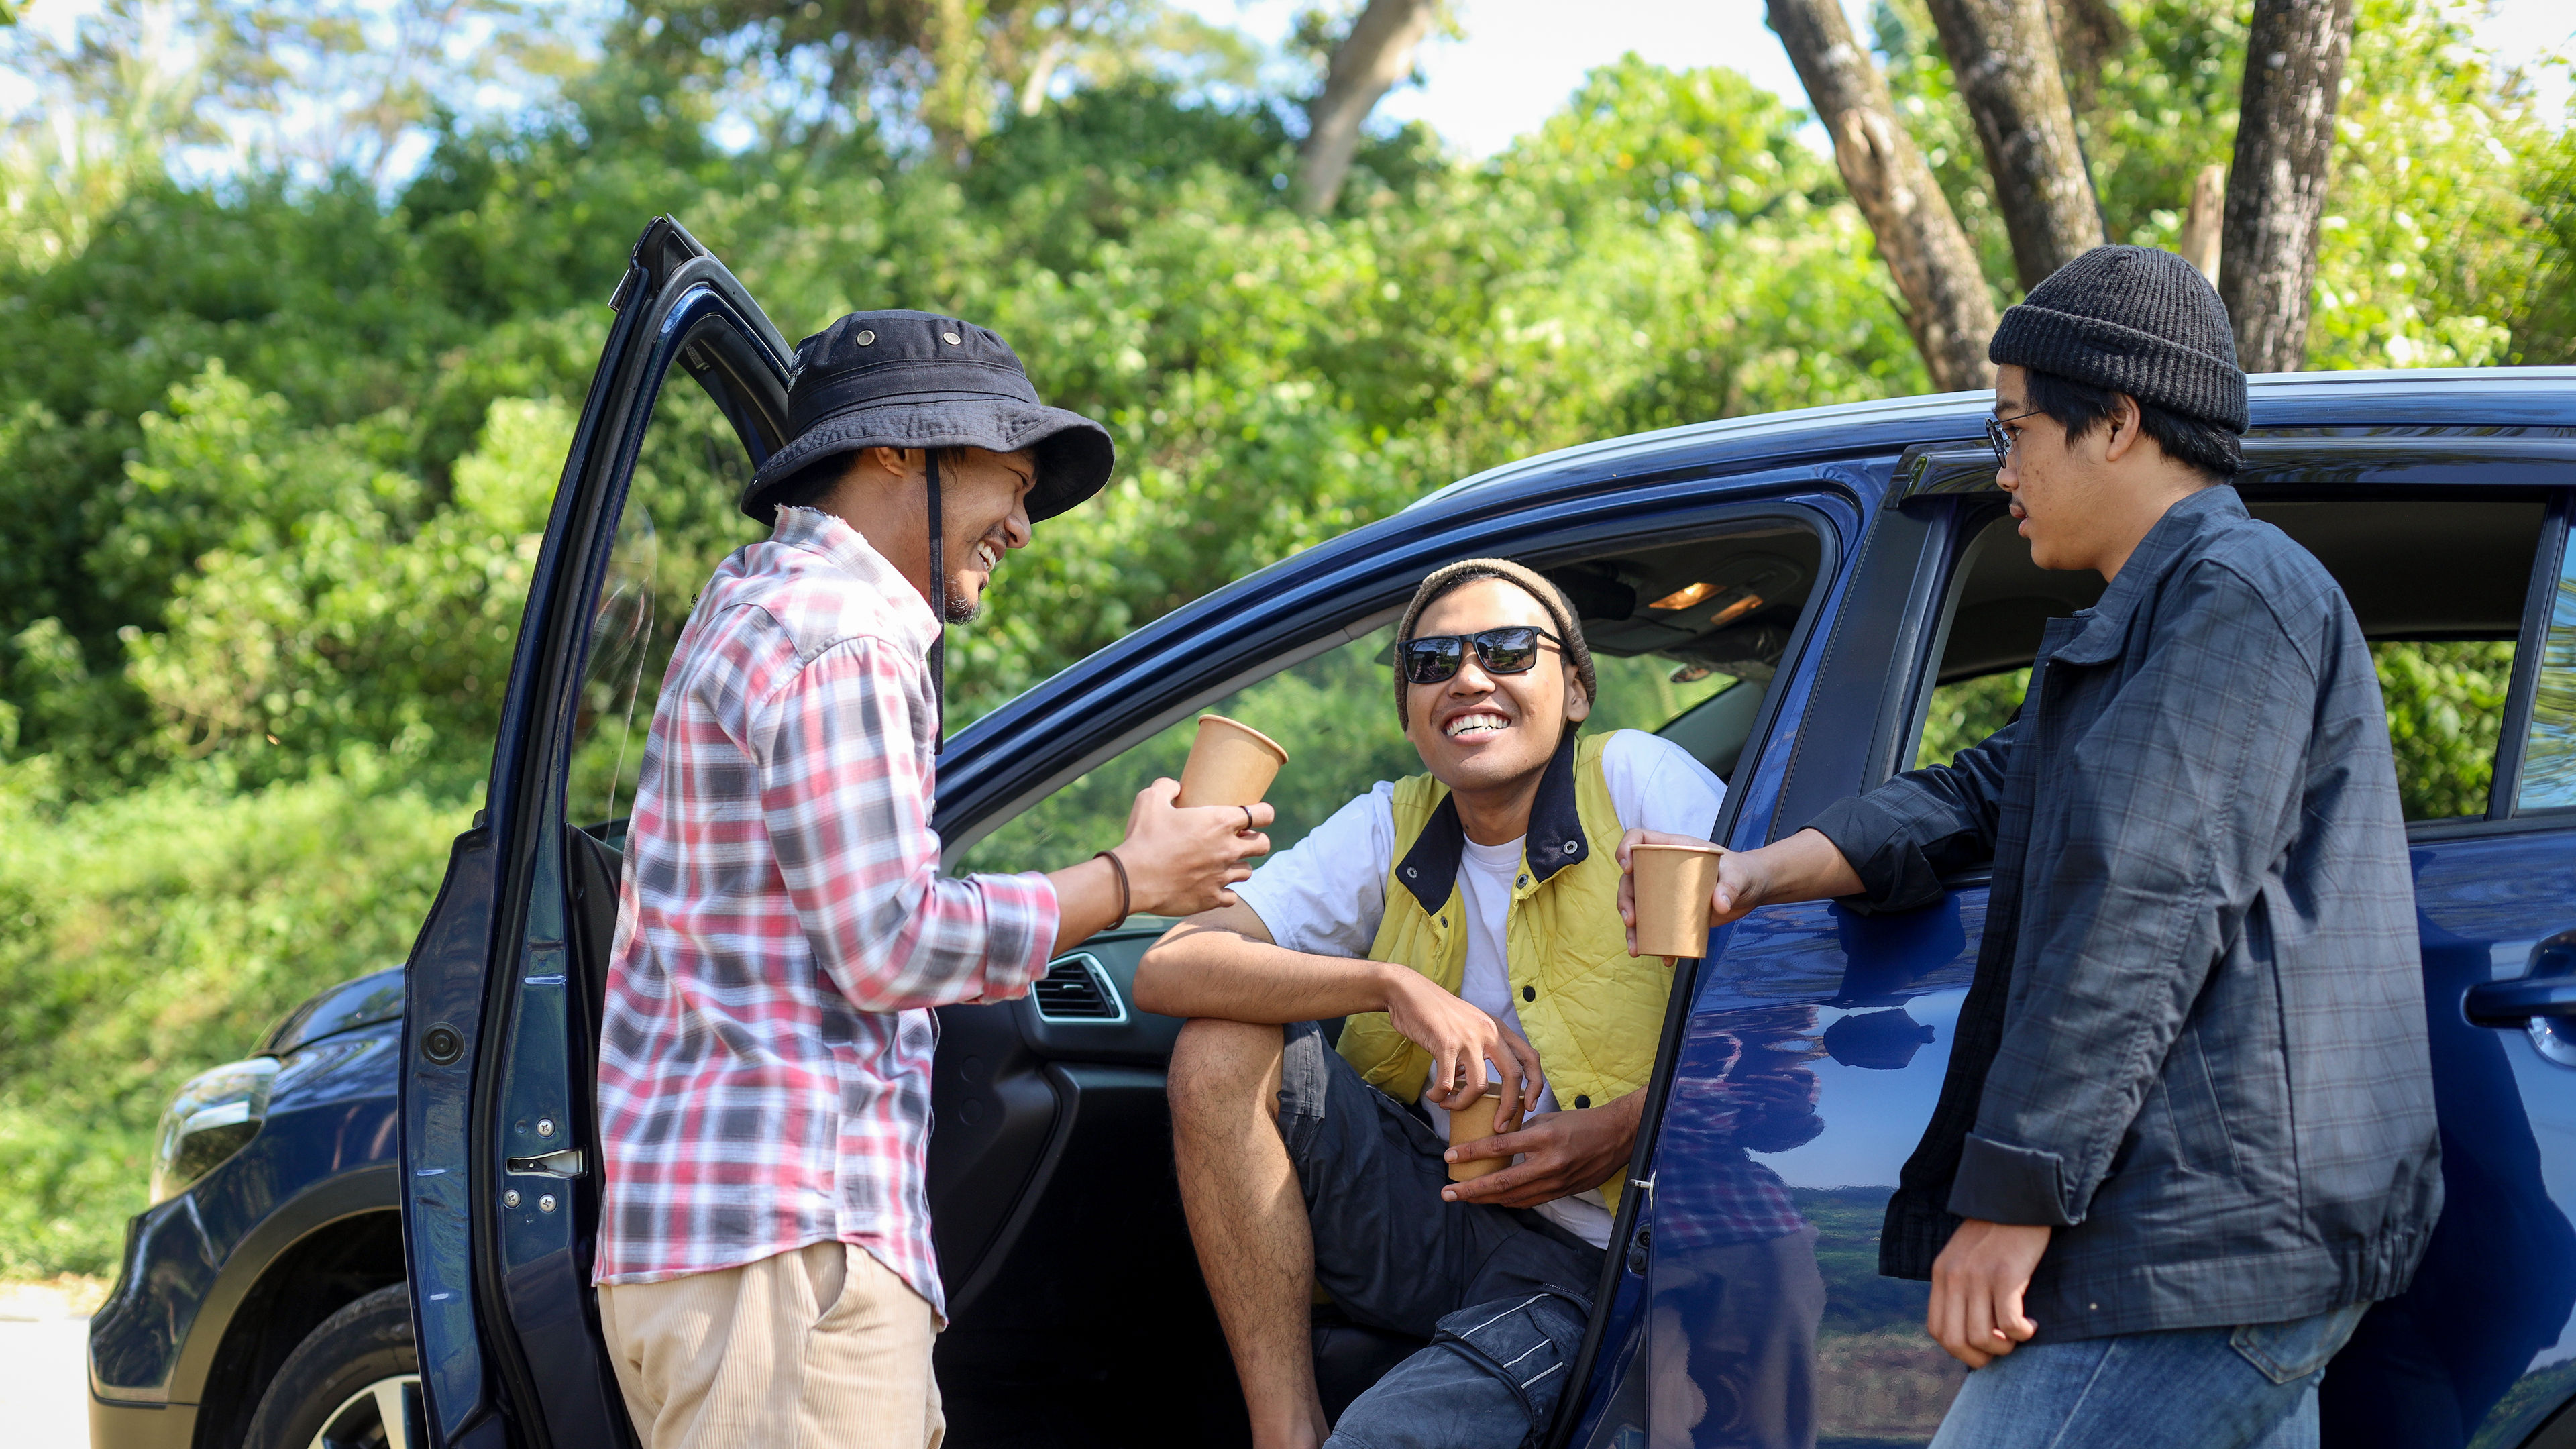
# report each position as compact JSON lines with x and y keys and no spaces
{"x":938,"y":610}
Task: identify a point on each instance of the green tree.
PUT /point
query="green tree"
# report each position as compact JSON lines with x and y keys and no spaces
{"x":2444,"y":167}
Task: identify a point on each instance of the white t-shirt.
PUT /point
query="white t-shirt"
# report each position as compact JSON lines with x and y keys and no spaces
{"x":1326,"y":894}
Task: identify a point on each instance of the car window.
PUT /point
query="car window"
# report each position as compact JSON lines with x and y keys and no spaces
{"x":2445,"y":704}
{"x":1335,"y":715}
{"x":1965,"y":711}
{"x":2549,"y":753}
{"x":679,"y":522}
{"x":2437,"y":585}
{"x":1684,"y":638}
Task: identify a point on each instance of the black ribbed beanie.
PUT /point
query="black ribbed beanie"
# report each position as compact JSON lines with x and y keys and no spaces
{"x":2134,"y":320}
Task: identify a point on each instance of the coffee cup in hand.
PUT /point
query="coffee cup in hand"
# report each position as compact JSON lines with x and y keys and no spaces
{"x":1230,"y":764}
{"x":1474,"y":1122}
{"x":1673,"y":887}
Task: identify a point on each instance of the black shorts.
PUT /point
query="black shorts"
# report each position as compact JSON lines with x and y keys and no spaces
{"x":1502,"y":1293}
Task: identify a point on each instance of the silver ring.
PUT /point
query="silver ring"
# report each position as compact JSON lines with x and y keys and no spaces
{"x":1247,"y":819}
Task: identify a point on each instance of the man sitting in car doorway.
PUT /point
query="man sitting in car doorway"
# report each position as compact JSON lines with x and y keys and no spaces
{"x":1465,"y":923}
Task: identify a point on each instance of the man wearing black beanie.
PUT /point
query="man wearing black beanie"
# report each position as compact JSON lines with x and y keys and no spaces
{"x":2187,"y":1133}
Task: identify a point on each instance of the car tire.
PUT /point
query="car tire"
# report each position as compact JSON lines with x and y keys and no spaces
{"x":353,"y":1383}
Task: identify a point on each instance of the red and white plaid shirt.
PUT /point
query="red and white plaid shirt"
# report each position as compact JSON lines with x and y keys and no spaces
{"x":783,"y":928}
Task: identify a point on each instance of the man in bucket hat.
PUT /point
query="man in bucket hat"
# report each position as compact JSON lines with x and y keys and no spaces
{"x":1464,"y":923}
{"x":2187,"y":1133}
{"x":783,"y":930}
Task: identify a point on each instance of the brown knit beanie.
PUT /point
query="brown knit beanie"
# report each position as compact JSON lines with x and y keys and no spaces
{"x":1450,"y":577}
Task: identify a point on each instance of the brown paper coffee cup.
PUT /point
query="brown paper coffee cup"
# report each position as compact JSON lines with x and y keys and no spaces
{"x":1230,"y":764}
{"x":1673,"y":887}
{"x":1474,"y":1123}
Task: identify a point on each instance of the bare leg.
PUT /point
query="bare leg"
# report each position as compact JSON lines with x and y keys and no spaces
{"x":1248,"y":1221}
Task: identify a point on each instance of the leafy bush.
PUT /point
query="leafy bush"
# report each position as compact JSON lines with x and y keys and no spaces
{"x":2445,"y":706}
{"x":149,"y":937}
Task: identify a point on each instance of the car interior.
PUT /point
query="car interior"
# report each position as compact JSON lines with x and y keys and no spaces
{"x":1074,"y":1291}
{"x":2416,"y":570}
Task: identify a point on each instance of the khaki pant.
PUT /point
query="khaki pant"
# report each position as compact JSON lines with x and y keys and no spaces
{"x":821,"y":1348}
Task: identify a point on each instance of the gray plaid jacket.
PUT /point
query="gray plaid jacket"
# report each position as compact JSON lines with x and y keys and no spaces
{"x":2195,"y":1039}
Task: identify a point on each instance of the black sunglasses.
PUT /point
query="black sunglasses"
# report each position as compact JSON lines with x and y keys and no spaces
{"x":2003,"y":441}
{"x":1512,"y":649}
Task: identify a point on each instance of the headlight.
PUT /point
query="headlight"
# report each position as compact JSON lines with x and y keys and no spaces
{"x":213,"y":1117}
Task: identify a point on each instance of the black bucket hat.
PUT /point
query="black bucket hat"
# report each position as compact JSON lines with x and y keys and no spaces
{"x":901,"y":379}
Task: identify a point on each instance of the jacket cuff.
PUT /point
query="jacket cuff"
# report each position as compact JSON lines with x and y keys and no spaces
{"x":1872,"y":839}
{"x":2002,"y":1184}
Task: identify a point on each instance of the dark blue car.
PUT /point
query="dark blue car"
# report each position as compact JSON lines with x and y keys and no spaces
{"x":378,"y":1228}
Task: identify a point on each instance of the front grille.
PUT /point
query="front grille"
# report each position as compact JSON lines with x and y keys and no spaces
{"x":1077,"y":988}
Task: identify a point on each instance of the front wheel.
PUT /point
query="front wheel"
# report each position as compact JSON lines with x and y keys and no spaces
{"x":353,"y":1383}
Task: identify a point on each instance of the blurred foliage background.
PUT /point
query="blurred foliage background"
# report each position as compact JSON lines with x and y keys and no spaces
{"x":298,"y":299}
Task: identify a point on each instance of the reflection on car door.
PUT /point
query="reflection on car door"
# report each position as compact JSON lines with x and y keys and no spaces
{"x":1818,"y":1039}
{"x":500,"y":1150}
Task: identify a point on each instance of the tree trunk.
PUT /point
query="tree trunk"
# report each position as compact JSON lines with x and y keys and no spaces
{"x":2276,"y":191}
{"x":1947,"y":307}
{"x":2200,"y":224}
{"x":1366,"y":65}
{"x":2003,"y":54}
{"x":2089,"y":32}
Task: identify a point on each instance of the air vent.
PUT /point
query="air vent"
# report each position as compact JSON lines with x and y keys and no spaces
{"x":1077,"y":988}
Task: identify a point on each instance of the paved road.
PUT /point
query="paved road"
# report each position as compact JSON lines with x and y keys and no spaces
{"x":43,"y":1383}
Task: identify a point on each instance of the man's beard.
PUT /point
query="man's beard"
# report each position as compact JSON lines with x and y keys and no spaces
{"x":964,"y":610}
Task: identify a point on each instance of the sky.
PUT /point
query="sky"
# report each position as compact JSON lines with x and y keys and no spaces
{"x":1519,"y":59}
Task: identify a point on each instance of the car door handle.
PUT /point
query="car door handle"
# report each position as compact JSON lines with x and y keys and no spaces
{"x":2547,"y":988}
{"x":2511,"y":1003}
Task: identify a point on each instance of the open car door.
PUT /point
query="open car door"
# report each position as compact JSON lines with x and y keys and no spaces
{"x":500,"y":1149}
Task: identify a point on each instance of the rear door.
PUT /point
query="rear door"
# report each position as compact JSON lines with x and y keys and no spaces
{"x":500,"y":1149}
{"x":2478,"y":1350}
{"x":1817,"y":1039}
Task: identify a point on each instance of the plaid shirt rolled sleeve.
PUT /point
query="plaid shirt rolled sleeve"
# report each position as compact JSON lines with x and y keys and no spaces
{"x":845,"y":793}
{"x":783,"y":928}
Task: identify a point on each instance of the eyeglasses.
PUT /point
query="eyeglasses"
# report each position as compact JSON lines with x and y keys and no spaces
{"x":1512,"y":649}
{"x":2003,"y":441}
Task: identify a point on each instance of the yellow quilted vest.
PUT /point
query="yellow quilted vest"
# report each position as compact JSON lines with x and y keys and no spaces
{"x":1593,"y":1011}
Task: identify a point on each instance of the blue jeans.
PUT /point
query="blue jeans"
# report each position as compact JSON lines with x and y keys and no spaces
{"x":2249,"y":1387}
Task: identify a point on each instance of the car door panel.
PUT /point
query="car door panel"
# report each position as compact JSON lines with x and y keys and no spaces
{"x":500,"y":1145}
{"x":1768,"y":1318}
{"x":994,"y":1112}
{"x":1074,"y":1294}
{"x":2479,"y":1349}
{"x":1613,"y":1370}
{"x":442,"y":1027}
{"x":997,"y":1100}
